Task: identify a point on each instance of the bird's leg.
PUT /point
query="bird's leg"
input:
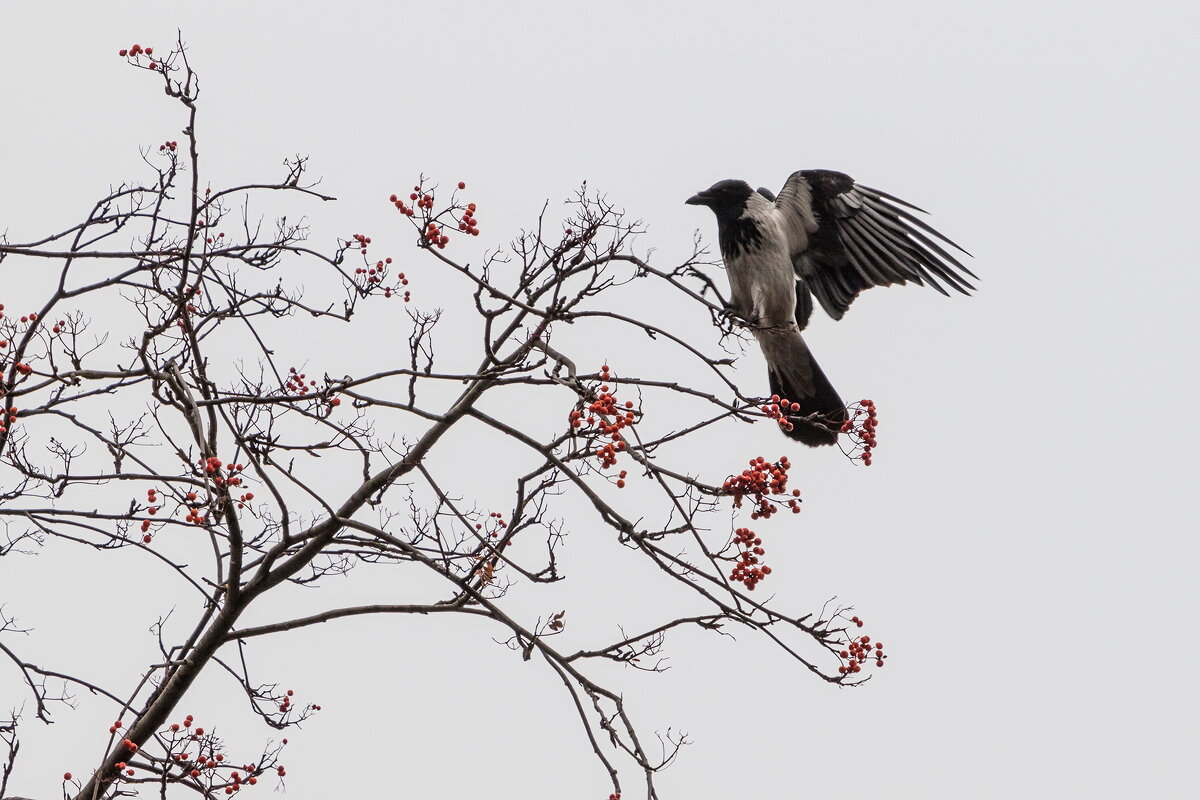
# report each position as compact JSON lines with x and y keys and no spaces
{"x":731,"y":313}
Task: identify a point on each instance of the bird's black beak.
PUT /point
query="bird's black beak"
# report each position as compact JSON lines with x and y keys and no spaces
{"x":699,"y":199}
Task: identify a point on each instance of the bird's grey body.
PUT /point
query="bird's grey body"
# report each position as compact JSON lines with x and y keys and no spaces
{"x":827,"y":236}
{"x":761,"y":279}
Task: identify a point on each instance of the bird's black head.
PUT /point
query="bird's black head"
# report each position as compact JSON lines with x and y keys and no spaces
{"x":726,"y":198}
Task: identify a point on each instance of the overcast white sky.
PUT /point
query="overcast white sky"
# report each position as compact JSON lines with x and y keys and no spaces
{"x":1025,"y":542}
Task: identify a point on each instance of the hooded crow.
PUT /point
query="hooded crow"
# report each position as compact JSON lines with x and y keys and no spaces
{"x":824,"y":236}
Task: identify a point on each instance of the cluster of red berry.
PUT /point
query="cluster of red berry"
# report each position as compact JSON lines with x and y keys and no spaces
{"x":27,"y":319}
{"x":7,"y":422}
{"x":376,"y":273}
{"x":285,"y":703}
{"x":136,"y":51}
{"x":747,"y":570}
{"x":298,"y":384}
{"x":495,"y":524}
{"x":236,"y":782}
{"x":221,"y":474}
{"x":861,"y":429}
{"x":151,"y":509}
{"x":766,"y":484}
{"x":183,"y":322}
{"x":195,"y":516}
{"x":212,"y":467}
{"x":295,"y":383}
{"x":389,"y":291}
{"x":860,"y":651}
{"x":778,"y":409}
{"x":168,"y":146}
{"x":211,"y":764}
{"x":761,"y":480}
{"x":127,"y":743}
{"x":423,"y":199}
{"x":609,"y":416}
{"x":606,"y":454}
{"x":360,"y":241}
{"x":468,"y":222}
{"x":434,"y":236}
{"x":403,"y":207}
{"x":32,"y":316}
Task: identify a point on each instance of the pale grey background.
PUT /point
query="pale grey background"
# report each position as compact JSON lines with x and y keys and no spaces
{"x":1025,"y":543}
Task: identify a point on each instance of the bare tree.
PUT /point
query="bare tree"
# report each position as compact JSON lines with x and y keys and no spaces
{"x":173,"y":426}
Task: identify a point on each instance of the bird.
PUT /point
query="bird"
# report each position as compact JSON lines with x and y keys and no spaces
{"x":825,"y":236}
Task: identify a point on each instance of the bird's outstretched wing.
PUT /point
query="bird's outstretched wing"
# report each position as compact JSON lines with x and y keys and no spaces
{"x":845,"y":237}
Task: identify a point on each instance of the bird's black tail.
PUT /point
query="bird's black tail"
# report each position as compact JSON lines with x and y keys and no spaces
{"x":795,"y":376}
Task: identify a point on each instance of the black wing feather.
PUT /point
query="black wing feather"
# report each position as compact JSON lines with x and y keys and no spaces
{"x":804,"y":305}
{"x":866,"y":254}
{"x":891,"y":197}
{"x":918,"y":265}
{"x":855,"y":237}
{"x":895,"y":230}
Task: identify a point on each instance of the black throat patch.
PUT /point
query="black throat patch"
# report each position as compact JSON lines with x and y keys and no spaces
{"x":736,"y":236}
